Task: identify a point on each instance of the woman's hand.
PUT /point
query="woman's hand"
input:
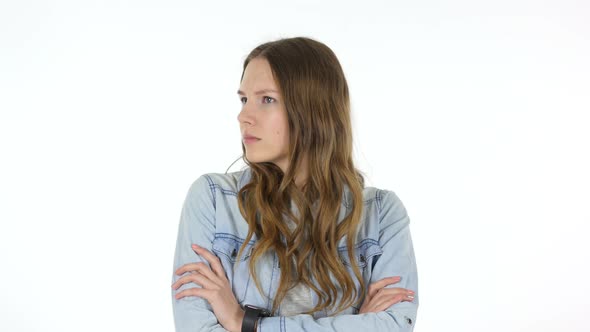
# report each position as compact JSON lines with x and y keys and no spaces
{"x":380,"y":298}
{"x":215,"y":289}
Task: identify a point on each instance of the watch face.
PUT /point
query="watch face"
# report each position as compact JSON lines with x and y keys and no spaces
{"x":263,"y":312}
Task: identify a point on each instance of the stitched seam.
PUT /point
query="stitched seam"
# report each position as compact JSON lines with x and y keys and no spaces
{"x":212,"y":188}
{"x":362,"y":265}
{"x":222,"y":253}
{"x":234,"y":193}
{"x":227,"y":191}
{"x":360,"y":244}
{"x":232,"y":237}
{"x":246,"y":290}
{"x":363,"y":243}
{"x":274,"y":259}
{"x":378,"y":199}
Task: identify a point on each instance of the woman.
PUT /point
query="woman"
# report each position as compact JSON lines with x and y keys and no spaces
{"x":261,"y":265}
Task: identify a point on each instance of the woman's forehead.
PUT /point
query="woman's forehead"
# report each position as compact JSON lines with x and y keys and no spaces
{"x":258,"y":78}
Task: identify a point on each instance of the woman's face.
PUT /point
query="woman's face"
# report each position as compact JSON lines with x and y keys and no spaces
{"x":263,"y":115}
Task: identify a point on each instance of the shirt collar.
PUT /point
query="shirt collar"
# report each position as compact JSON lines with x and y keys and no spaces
{"x":247,"y":174}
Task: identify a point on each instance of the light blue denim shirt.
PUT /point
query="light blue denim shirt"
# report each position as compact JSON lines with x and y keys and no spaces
{"x":211,"y":218}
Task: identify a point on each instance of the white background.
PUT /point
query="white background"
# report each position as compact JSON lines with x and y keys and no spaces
{"x":475,"y":113}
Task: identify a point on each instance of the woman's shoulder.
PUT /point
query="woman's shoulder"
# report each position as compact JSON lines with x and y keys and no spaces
{"x":378,"y":199}
{"x":388,"y":205}
{"x":382,"y":207}
{"x":225,"y":182}
{"x":232,"y":182}
{"x":377,"y":196}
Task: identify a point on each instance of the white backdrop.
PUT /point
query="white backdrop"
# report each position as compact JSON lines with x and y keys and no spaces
{"x":475,"y":113}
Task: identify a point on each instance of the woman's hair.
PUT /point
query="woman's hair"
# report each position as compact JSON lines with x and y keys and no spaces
{"x":315,"y":96}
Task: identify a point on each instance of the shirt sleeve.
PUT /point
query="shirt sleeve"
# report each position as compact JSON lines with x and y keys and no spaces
{"x":397,"y":259}
{"x":197,"y":225}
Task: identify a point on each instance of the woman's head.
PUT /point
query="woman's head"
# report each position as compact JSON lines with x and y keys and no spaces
{"x":305,"y":135}
{"x":307,"y":119}
{"x":263,"y":115}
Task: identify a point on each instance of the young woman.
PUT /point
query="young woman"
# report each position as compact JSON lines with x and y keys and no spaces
{"x":295,"y":241}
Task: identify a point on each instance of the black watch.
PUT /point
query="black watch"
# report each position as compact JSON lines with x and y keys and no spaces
{"x":251,"y":316}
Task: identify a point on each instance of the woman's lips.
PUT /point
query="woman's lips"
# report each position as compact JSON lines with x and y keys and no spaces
{"x":249,"y":140}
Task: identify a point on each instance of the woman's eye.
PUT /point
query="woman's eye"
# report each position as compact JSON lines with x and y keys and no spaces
{"x":265,"y":100}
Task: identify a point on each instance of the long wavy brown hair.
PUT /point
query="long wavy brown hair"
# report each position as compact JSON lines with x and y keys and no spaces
{"x":315,"y":93}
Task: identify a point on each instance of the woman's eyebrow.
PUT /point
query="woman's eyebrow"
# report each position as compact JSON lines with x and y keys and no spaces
{"x":259,"y":92}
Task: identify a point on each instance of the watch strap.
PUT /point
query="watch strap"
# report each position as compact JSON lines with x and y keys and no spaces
{"x":250,"y":317}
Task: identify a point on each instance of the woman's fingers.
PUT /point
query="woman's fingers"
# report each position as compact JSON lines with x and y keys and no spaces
{"x":380,"y":298}
{"x":388,"y":302}
{"x":198,"y":267}
{"x":387,"y":294}
{"x":197,"y":278}
{"x":210,"y":277}
{"x":382,"y":303}
{"x":212,"y":259}
{"x":200,"y":292}
{"x":379,"y":284}
{"x":386,"y":297}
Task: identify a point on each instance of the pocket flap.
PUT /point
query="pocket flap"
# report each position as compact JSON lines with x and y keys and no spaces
{"x":363,"y":252}
{"x":229,"y":248}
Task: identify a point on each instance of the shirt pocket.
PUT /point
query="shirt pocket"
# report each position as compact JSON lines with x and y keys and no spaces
{"x":236,"y":270}
{"x":365,"y":255}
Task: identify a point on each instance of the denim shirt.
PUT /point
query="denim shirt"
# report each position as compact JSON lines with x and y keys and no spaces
{"x":210,"y":217}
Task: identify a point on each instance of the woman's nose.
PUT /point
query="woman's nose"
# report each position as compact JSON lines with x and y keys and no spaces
{"x":246,"y":114}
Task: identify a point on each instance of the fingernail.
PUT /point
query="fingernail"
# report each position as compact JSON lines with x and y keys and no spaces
{"x":195,"y":246}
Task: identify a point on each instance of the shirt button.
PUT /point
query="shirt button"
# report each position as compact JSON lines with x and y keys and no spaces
{"x":363,"y":259}
{"x":409,"y":320}
{"x":234,"y":253}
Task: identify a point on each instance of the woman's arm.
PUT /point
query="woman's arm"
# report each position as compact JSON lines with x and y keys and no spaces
{"x":398,"y":259}
{"x":197,"y":225}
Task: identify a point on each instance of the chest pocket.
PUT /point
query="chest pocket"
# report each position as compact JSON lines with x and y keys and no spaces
{"x":366,"y":254}
{"x":226,"y":247}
